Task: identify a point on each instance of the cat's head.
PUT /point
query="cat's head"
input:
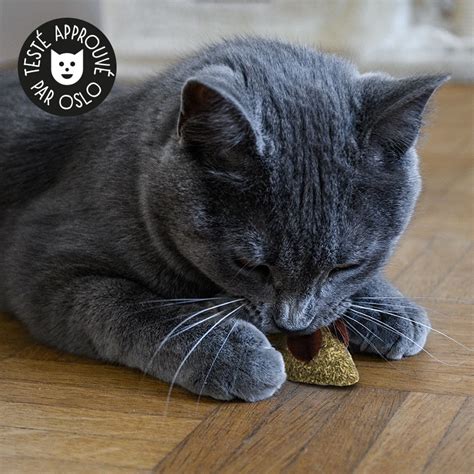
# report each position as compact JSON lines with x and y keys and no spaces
{"x":291,"y":178}
{"x":67,"y":68}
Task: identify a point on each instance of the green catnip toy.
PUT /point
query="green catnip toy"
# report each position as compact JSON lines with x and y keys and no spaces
{"x":320,"y":358}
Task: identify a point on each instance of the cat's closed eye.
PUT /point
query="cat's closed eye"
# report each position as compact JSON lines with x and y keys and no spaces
{"x":228,"y":177}
{"x":259,"y":270}
{"x":343,"y":267}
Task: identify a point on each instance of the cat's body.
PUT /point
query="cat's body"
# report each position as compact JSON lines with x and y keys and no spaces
{"x":272,"y":167}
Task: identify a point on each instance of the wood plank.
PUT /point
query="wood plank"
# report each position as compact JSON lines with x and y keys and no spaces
{"x":289,"y":432}
{"x":147,"y":427}
{"x":182,"y":404}
{"x":78,"y":447}
{"x":22,"y":463}
{"x":430,"y":268}
{"x":412,"y":435}
{"x":410,"y":248}
{"x":454,"y":453}
{"x":446,"y":217}
{"x":112,"y":381}
{"x":458,"y":284}
{"x":349,"y":433}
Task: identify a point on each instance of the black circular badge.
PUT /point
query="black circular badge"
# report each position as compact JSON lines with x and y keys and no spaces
{"x":67,"y":66}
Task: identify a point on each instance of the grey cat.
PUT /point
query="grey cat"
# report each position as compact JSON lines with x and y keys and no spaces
{"x":252,"y":188}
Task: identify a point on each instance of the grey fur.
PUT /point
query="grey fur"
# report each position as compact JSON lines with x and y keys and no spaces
{"x":250,"y":153}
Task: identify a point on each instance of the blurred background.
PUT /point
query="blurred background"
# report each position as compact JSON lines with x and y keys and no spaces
{"x":399,"y":36}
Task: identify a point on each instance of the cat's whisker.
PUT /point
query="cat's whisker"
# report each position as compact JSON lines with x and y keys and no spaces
{"x":193,"y":316}
{"x":153,"y":323}
{"x":198,"y":323}
{"x":390,"y":328}
{"x":166,"y":338}
{"x":182,"y":300}
{"x":415,"y":322}
{"x":213,"y":362}
{"x":162,"y":318}
{"x":365,"y":327}
{"x":447,"y":300}
{"x":193,"y":348}
{"x":368,"y":340}
{"x":390,"y":305}
{"x":153,"y":305}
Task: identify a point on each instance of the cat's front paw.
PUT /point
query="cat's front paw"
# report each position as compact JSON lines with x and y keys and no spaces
{"x":247,"y":367}
{"x":392,"y":330}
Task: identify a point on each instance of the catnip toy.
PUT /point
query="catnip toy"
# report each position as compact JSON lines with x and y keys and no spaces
{"x":320,"y":358}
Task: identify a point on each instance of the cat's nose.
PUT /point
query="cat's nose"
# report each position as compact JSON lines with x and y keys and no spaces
{"x":292,"y":316}
{"x":67,"y":69}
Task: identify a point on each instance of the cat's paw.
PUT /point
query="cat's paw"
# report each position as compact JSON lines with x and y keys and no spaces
{"x":247,"y":367}
{"x":393,"y":330}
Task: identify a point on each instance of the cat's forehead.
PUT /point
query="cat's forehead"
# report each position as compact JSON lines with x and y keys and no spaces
{"x":309,"y":112}
{"x":297,"y":100}
{"x":299,"y":131}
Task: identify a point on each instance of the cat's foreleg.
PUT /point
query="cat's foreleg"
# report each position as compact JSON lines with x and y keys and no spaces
{"x":384,"y":322}
{"x":203,"y":346}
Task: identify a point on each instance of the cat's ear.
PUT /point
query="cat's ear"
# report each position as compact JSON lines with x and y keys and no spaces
{"x":79,"y":55}
{"x":392,"y":111}
{"x":211,"y":114}
{"x":54,"y":54}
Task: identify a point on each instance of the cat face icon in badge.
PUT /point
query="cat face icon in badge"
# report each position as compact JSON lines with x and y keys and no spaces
{"x":67,"y":68}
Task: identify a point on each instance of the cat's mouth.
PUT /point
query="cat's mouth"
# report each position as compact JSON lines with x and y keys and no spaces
{"x":67,"y":76}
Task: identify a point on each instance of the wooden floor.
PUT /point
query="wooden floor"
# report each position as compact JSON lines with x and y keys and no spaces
{"x":60,"y":413}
